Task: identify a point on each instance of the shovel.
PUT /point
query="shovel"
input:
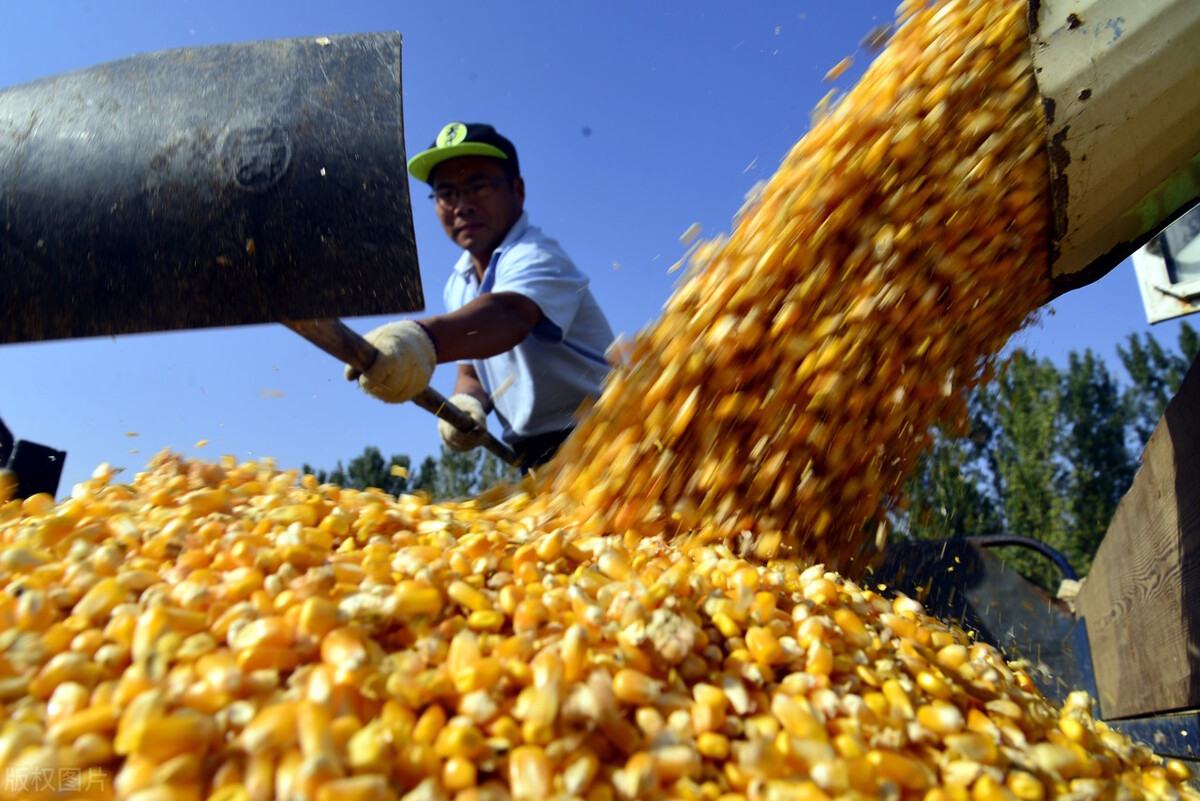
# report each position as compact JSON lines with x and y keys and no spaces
{"x":337,"y":339}
{"x":212,"y":186}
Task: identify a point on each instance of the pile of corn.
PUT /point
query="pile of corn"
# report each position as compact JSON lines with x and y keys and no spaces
{"x":234,"y":632}
{"x":230,"y":631}
{"x":792,"y":379}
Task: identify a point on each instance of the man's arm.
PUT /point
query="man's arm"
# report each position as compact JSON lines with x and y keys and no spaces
{"x":409,"y":350}
{"x":487,"y":326}
{"x":468,"y":383}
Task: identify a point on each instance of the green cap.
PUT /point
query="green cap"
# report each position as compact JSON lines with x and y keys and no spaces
{"x":464,"y":139}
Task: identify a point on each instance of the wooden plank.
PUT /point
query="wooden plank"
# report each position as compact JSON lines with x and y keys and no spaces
{"x":1141,"y":599}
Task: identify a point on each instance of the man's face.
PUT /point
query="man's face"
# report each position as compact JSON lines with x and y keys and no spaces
{"x":477,"y":204}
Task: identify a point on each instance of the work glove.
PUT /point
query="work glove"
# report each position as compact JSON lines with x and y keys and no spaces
{"x":404,"y":365}
{"x":457,"y":440}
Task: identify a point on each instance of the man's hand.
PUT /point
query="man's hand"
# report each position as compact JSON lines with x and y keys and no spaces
{"x":460,"y":441}
{"x":404,"y":366}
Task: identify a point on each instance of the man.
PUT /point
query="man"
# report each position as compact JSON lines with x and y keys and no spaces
{"x":528,"y":337}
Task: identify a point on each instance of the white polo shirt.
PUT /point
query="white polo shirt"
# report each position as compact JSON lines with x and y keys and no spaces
{"x":538,"y":386}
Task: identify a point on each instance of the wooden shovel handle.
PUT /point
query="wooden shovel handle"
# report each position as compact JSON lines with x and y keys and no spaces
{"x":338,"y":340}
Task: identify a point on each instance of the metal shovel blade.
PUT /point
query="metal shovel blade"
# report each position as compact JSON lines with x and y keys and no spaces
{"x":210,"y":186}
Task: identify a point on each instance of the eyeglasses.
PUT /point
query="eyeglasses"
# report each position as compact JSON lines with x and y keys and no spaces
{"x":448,"y":196}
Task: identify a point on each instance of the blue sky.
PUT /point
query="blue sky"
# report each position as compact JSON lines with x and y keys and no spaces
{"x":633,"y":121}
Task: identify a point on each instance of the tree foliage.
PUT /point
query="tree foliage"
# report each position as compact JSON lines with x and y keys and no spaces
{"x":450,"y":475}
{"x":1099,"y":465}
{"x":1155,"y":375}
{"x":948,"y":492}
{"x":1048,"y":454}
{"x":366,"y":470}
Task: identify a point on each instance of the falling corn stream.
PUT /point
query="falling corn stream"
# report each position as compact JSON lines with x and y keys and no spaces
{"x":666,"y":611}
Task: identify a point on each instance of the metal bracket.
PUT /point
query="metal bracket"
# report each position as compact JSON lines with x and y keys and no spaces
{"x":38,"y":467}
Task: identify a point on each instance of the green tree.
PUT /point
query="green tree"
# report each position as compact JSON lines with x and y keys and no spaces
{"x":426,"y":479}
{"x":493,"y":471}
{"x":1028,"y":475}
{"x":1049,"y":454}
{"x":1155,"y":375}
{"x":457,"y":476}
{"x":947,"y":494}
{"x":1099,"y":466}
{"x":368,"y":469}
{"x":461,"y":475}
{"x":1004,"y":474}
{"x":450,"y":475}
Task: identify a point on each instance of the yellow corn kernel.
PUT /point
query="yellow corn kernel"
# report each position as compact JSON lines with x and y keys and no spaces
{"x":162,"y":738}
{"x":852,"y":626}
{"x":615,"y":565}
{"x":798,"y":719}
{"x":650,"y":721}
{"x":530,"y":773}
{"x":1025,"y":786}
{"x":468,"y":597}
{"x":65,"y":701}
{"x":273,"y":729}
{"x":953,"y":656}
{"x":459,"y":739}
{"x":510,"y":596}
{"x":529,"y":615}
{"x":368,"y":748}
{"x":429,"y":725}
{"x":267,"y":657}
{"x":287,"y":774}
{"x":574,"y":652}
{"x":100,"y":600}
{"x":482,"y":673}
{"x":315,"y":729}
{"x":270,"y":631}
{"x":316,"y":617}
{"x":1056,"y":760}
{"x":486,"y":620}
{"x":972,"y":746}
{"x":638,"y":778}
{"x":229,"y":792}
{"x":37,"y":504}
{"x":579,"y":771}
{"x":1178,"y":771}
{"x":935,"y":685}
{"x":726,"y":625}
{"x":713,"y":746}
{"x":1075,"y":731}
{"x":633,"y":687}
{"x":708,"y":717}
{"x":1156,"y":784}
{"x":941,"y":718}
{"x":415,"y":599}
{"x":345,"y":648}
{"x":459,"y":773}
{"x":61,"y":668}
{"x":100,"y":719}
{"x":674,"y":762}
{"x":839,"y":69}
{"x":988,"y":789}
{"x":898,"y":699}
{"x":819,"y":659}
{"x":303,"y":514}
{"x":764,"y":646}
{"x":904,"y":771}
